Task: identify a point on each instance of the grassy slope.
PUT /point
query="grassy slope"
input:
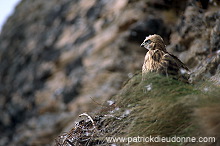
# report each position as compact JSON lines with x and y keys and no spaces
{"x":165,"y":107}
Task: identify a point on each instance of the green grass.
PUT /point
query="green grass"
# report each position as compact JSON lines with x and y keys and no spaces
{"x":167,"y":109}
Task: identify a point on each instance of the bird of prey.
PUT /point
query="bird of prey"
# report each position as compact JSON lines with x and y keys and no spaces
{"x":160,"y":61}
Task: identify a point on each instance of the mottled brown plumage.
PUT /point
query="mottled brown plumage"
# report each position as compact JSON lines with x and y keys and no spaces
{"x":159,"y":60}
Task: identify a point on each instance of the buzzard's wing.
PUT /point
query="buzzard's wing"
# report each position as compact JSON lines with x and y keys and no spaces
{"x":172,"y":66}
{"x":182,"y":65}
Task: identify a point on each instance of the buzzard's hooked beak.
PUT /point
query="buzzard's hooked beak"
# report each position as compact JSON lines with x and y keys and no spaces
{"x":142,"y":45}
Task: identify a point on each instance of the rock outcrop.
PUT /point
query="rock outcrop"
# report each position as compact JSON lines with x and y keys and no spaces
{"x":59,"y":59}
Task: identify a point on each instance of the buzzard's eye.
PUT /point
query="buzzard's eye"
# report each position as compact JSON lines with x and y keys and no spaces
{"x":147,"y":41}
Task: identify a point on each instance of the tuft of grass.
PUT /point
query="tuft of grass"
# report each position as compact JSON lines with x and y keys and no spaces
{"x":160,"y":106}
{"x":155,"y":103}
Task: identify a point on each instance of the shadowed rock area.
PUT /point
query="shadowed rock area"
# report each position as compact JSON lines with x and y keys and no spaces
{"x":61,"y":58}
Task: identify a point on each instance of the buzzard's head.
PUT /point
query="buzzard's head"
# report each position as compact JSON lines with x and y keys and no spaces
{"x":153,"y":42}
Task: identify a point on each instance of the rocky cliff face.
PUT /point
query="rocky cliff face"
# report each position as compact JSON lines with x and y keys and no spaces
{"x":59,"y":58}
